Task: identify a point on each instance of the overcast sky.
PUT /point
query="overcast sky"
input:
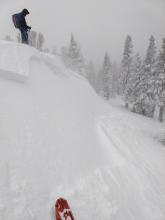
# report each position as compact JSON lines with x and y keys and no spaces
{"x":98,"y":25}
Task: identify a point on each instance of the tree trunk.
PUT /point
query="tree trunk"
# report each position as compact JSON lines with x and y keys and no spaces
{"x":161,"y":113}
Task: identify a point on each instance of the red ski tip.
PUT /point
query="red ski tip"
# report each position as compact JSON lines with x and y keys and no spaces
{"x":62,"y":210}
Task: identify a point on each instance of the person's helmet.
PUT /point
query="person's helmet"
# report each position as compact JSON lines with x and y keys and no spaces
{"x":25,"y":12}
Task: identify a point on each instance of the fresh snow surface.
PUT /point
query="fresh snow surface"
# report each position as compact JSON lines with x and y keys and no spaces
{"x":59,"y":139}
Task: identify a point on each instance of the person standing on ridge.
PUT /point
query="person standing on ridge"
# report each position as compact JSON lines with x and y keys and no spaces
{"x":20,"y":23}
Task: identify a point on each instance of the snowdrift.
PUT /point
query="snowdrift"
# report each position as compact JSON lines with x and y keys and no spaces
{"x":14,"y":62}
{"x":58,"y":138}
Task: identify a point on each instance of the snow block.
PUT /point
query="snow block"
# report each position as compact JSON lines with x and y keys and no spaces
{"x":14,"y":60}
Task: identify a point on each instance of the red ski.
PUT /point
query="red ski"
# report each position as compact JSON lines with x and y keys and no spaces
{"x":62,"y":210}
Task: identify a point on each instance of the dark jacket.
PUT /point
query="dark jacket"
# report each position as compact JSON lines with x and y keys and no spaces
{"x":22,"y":20}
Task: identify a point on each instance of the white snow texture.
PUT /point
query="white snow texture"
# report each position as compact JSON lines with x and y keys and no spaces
{"x":59,"y":139}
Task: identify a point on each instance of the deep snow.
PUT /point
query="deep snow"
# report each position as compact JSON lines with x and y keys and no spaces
{"x":58,"y":138}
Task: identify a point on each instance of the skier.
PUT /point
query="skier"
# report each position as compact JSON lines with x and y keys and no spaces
{"x":20,"y":23}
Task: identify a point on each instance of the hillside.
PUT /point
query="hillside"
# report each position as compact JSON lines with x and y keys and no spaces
{"x":58,"y":138}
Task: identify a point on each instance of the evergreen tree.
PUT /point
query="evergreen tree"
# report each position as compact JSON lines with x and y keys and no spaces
{"x":75,"y":58}
{"x":74,"y":50}
{"x":151,"y":53}
{"x":160,"y":81}
{"x":33,"y":38}
{"x":136,"y":89}
{"x":40,"y":41}
{"x":145,"y":83}
{"x":126,"y":67}
{"x":148,"y":83}
{"x":106,"y":78}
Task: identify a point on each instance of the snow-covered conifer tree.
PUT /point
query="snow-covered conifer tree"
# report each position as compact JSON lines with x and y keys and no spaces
{"x":107,"y":78}
{"x":148,"y":83}
{"x":40,"y":41}
{"x":144,"y":89}
{"x":151,"y":53}
{"x":75,"y":57}
{"x":33,"y":38}
{"x":126,"y":67}
{"x":160,"y":81}
{"x":136,"y":87}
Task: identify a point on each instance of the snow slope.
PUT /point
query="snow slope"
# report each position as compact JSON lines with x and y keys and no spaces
{"x":58,"y":138}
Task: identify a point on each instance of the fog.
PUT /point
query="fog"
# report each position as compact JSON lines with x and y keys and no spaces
{"x":98,"y":25}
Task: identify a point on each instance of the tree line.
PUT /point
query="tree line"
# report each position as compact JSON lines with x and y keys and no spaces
{"x":142,"y":81}
{"x":139,"y":81}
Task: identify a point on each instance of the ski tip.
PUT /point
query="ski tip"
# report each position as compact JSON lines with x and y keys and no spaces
{"x":63,"y":210}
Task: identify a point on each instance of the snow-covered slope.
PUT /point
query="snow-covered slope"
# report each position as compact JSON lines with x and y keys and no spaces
{"x":58,"y":138}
